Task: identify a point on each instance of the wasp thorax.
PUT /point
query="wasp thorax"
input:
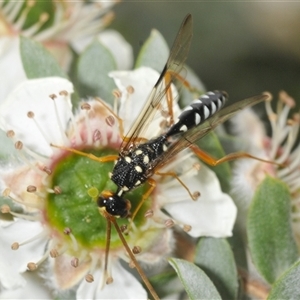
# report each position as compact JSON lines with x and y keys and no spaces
{"x":114,"y":205}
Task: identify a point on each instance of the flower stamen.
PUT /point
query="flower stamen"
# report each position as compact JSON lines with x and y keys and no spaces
{"x":87,"y":107}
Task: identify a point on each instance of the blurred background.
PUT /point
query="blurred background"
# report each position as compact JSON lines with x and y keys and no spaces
{"x":244,"y":48}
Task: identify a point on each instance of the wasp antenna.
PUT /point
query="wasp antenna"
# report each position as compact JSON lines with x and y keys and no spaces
{"x":133,"y":259}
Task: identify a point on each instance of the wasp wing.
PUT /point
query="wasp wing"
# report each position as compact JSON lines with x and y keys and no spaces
{"x":189,"y":137}
{"x":174,"y":65}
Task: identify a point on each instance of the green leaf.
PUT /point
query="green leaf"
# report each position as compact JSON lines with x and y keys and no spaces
{"x":287,"y":286}
{"x":270,"y":235}
{"x":37,"y":61}
{"x":196,"y":283}
{"x":211,"y":144}
{"x":93,"y":67}
{"x":214,"y":256}
{"x":154,"y":52}
{"x":166,"y":283}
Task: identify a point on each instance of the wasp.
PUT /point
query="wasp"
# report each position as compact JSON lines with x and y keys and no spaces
{"x":139,"y":159}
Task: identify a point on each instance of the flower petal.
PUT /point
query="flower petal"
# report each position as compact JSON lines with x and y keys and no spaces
{"x":34,"y":289}
{"x":124,"y":286}
{"x":213,"y":214}
{"x":119,"y":47}
{"x":11,"y":68}
{"x":142,"y":80}
{"x":47,"y":126}
{"x":116,"y":44}
{"x":13,"y":263}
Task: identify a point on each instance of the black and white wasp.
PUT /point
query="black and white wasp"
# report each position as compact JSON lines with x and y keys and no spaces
{"x":139,"y":159}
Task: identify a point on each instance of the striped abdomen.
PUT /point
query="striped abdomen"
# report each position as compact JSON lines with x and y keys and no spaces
{"x":198,"y":112}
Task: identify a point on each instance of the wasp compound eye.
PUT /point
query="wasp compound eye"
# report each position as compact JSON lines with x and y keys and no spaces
{"x":115,"y":205}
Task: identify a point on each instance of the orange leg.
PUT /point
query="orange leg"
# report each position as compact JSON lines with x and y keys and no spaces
{"x":152,"y":183}
{"x":232,"y":156}
{"x":168,"y":80}
{"x":173,"y":174}
{"x":89,"y":155}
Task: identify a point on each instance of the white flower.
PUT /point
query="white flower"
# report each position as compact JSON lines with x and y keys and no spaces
{"x":69,"y":24}
{"x":57,"y":191}
{"x":282,"y":148}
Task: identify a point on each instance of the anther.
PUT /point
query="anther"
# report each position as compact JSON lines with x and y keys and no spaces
{"x":47,"y":170}
{"x":54,"y":253}
{"x":89,"y":278}
{"x":124,"y":228}
{"x":75,"y":262}
{"x":164,"y":113}
{"x":30,"y":114}
{"x":196,"y":195}
{"x":169,"y":223}
{"x":18,"y":145}
{"x":5,"y":209}
{"x":117,"y":93}
{"x":67,"y":230}
{"x":10,"y":133}
{"x":31,"y":189}
{"x":110,"y":121}
{"x":296,"y":117}
{"x":269,"y":95}
{"x":130,"y":89}
{"x":187,"y":228}
{"x":96,"y":135}
{"x":109,"y":280}
{"x":32,"y":266}
{"x":15,"y":246}
{"x":44,"y":17}
{"x":197,"y":166}
{"x":53,"y":96}
{"x":149,"y":213}
{"x":6,"y":192}
{"x":30,"y":3}
{"x":163,"y":124}
{"x":131,"y":265}
{"x":136,"y":250}
{"x":85,"y":106}
{"x":57,"y":190}
{"x":285,"y":98}
{"x":63,"y":93}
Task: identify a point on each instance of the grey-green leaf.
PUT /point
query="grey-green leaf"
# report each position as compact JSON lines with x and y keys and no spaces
{"x":154,"y":53}
{"x":214,"y":256}
{"x":272,"y":245}
{"x":287,"y":286}
{"x":197,"y":285}
{"x":37,"y":61}
{"x":93,"y":67}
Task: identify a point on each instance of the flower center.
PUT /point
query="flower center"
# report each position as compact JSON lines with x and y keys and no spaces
{"x":73,"y":208}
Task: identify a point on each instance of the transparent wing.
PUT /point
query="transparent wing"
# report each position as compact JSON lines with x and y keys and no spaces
{"x":193,"y":135}
{"x":174,"y":65}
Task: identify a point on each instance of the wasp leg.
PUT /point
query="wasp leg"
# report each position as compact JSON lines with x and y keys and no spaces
{"x":168,"y":80}
{"x":170,"y":74}
{"x":194,"y":196}
{"x":232,"y":156}
{"x":152,"y":183}
{"x":89,"y":155}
